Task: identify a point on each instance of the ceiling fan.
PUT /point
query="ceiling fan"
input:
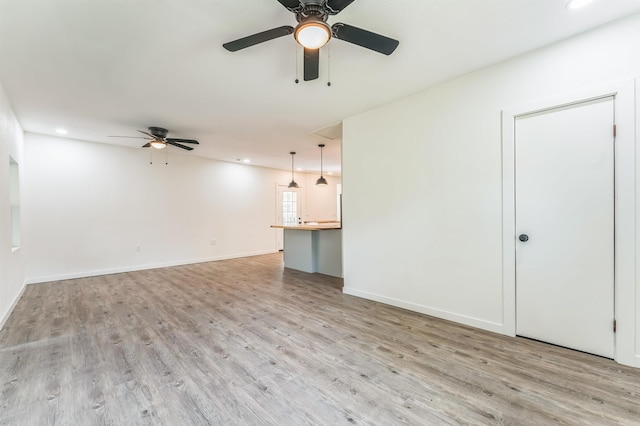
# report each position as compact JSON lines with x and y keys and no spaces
{"x":313,"y":32}
{"x":159,"y":140}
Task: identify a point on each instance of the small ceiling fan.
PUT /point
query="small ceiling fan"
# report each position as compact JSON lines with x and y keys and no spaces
{"x":159,"y":140}
{"x":313,"y":32}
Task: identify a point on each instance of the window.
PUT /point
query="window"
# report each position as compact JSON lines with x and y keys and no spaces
{"x":14,"y":202}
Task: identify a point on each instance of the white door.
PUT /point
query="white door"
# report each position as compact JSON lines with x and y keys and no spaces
{"x":288,"y":210}
{"x":565,"y":207}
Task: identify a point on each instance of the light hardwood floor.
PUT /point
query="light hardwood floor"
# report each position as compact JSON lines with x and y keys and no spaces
{"x":245,"y":341}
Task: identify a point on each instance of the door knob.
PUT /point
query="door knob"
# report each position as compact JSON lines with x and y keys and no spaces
{"x":523,"y":237}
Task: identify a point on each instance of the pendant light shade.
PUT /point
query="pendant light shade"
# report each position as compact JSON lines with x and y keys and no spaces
{"x":293,"y":183}
{"x":321,"y":180}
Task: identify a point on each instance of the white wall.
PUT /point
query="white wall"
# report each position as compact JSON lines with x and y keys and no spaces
{"x":319,"y":202}
{"x":428,"y":235}
{"x":89,"y":205}
{"x":12,"y":271}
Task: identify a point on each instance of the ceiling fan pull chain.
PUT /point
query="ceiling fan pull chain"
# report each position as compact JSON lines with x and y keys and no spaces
{"x":297,"y":66}
{"x":328,"y":65}
{"x":150,"y":157}
{"x":166,"y":157}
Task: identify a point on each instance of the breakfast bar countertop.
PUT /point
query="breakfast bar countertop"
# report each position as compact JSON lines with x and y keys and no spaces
{"x":313,"y":226}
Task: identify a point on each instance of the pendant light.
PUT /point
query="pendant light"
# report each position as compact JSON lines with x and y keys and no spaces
{"x":293,"y":183}
{"x":321,"y":181}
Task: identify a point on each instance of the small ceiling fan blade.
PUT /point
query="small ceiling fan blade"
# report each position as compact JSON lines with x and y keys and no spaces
{"x":311,"y":64}
{"x":146,"y":145}
{"x":292,"y":5}
{"x":148,"y":134}
{"x":183,"y":140}
{"x":258,"y":38}
{"x":179,"y":145}
{"x":130,"y":137}
{"x":336,"y":6}
{"x":364,"y":38}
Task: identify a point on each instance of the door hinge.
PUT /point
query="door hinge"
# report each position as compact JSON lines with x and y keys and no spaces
{"x":615,"y":325}
{"x":615,"y":130}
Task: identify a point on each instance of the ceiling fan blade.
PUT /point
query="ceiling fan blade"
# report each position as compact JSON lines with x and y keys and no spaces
{"x":148,"y":134}
{"x":336,"y":6}
{"x":258,"y":38}
{"x":131,"y":137}
{"x":364,"y":38}
{"x":179,"y":145}
{"x":292,"y":5}
{"x":183,"y":140}
{"x":311,"y":64}
{"x":146,"y":145}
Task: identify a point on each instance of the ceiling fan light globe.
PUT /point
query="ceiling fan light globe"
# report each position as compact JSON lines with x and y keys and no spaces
{"x":158,"y":145}
{"x":312,"y":35}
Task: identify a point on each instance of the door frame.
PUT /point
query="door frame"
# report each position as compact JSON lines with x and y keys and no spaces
{"x":626,"y":182}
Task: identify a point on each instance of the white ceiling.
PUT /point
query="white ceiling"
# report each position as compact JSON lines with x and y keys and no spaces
{"x":100,"y":68}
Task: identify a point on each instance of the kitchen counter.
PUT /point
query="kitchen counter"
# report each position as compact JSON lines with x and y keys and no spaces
{"x":313,"y":247}
{"x":311,"y":226}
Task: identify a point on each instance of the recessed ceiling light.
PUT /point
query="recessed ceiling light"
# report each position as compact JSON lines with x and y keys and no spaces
{"x":246,"y":161}
{"x":330,"y":173}
{"x":61,"y":131}
{"x":577,"y":4}
{"x":299,"y":169}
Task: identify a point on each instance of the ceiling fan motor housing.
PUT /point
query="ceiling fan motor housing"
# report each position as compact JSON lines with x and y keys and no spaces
{"x":158,"y":132}
{"x":312,"y":12}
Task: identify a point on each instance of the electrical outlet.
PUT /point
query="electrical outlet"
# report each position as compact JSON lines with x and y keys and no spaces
{"x":138,"y":247}
{"x":214,"y":242}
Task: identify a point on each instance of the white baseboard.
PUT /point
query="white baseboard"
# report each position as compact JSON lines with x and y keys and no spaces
{"x":4,"y":319}
{"x":438,"y":313}
{"x":94,"y":273}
